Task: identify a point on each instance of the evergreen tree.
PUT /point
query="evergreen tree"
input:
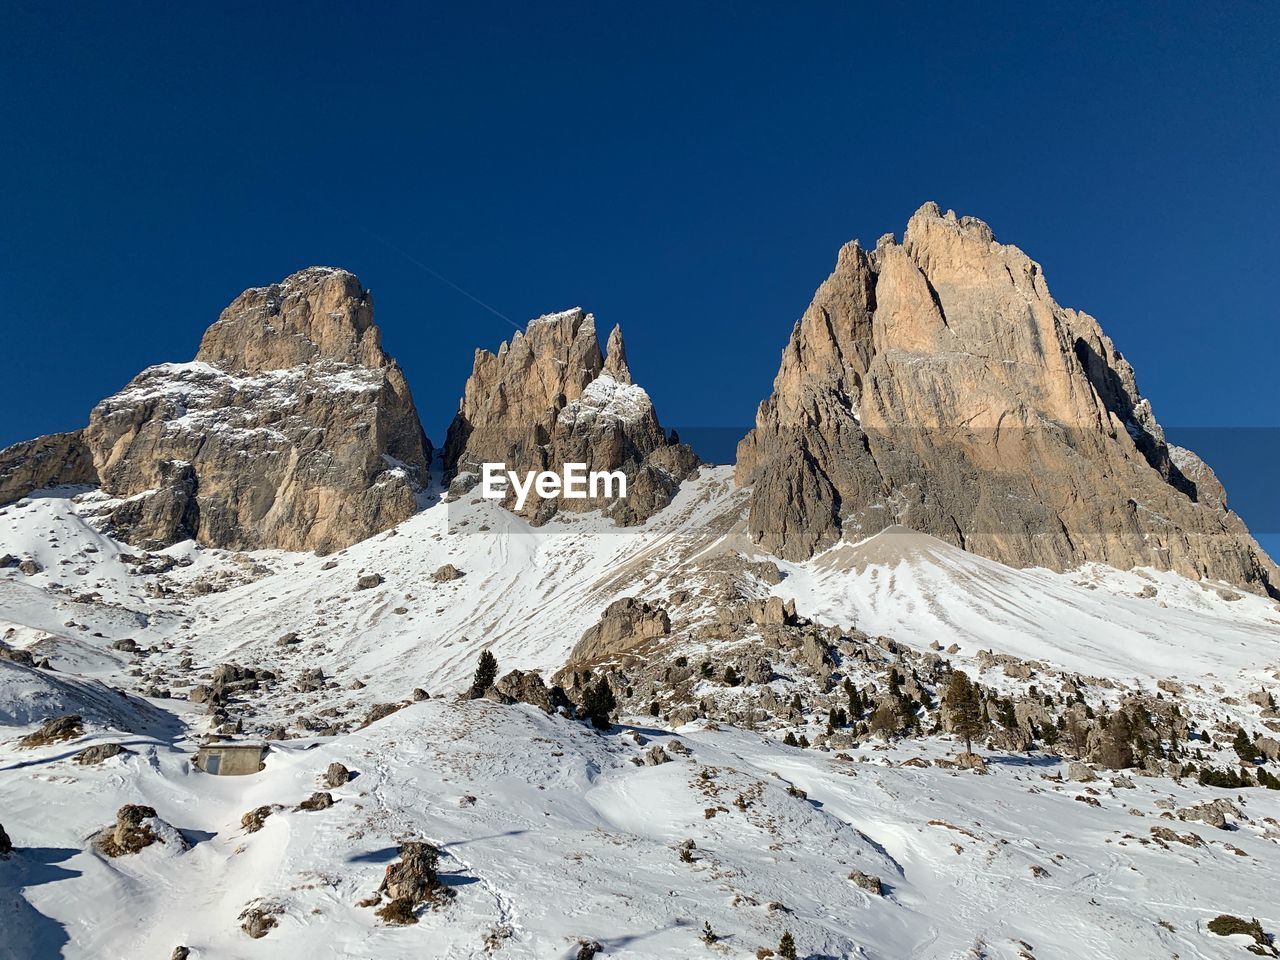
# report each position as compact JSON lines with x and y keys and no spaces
{"x":1049,"y":734}
{"x":887,"y":719}
{"x":731,"y":676}
{"x":790,"y":740}
{"x":1116,"y":752}
{"x":966,"y":713}
{"x":787,"y":946}
{"x":486,"y":673}
{"x":1244,"y":747}
{"x":599,"y":703}
{"x":855,"y":700}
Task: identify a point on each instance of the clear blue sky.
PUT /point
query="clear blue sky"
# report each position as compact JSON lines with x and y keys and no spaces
{"x":687,"y":170}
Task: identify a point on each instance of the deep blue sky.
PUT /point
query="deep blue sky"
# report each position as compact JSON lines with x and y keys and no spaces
{"x":686,"y":170}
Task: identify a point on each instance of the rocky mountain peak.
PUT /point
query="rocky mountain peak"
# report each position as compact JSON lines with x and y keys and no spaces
{"x":320,"y":313}
{"x":291,"y":430}
{"x":550,"y":396}
{"x":936,"y":384}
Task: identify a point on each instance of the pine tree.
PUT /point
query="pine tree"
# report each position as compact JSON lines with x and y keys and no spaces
{"x":599,"y":702}
{"x":787,"y":946}
{"x":731,"y":676}
{"x":790,"y":740}
{"x":486,"y":673}
{"x":1116,"y":752}
{"x":966,"y":712}
{"x":1244,"y":747}
{"x":855,"y":701}
{"x":887,"y":719}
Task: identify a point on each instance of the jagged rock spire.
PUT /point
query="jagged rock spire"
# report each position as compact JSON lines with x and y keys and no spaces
{"x":550,"y":397}
{"x":615,"y":362}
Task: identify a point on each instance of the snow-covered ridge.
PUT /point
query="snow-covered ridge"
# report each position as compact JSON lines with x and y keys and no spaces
{"x":205,"y":398}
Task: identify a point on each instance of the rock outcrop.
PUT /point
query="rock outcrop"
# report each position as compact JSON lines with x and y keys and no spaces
{"x":60,"y":459}
{"x":136,"y":828}
{"x":935,"y":384}
{"x":550,"y":397}
{"x":623,"y":626}
{"x":525,"y":686}
{"x":292,"y":429}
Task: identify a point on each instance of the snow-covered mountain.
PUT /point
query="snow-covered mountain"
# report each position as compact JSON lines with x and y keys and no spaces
{"x":731,"y":718}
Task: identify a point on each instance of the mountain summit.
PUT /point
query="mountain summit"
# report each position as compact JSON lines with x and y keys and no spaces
{"x":292,"y":429}
{"x":935,"y":383}
{"x":549,"y":397}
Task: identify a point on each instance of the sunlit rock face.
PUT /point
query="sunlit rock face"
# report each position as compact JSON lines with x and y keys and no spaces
{"x":935,"y":383}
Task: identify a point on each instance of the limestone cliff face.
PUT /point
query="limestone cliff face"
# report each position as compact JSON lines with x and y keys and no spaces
{"x":549,"y":397}
{"x":59,"y":459}
{"x":936,"y":384}
{"x":292,"y":429}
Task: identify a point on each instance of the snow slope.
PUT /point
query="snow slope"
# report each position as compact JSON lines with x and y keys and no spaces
{"x":1094,"y":621}
{"x":550,"y":835}
{"x":553,"y":834}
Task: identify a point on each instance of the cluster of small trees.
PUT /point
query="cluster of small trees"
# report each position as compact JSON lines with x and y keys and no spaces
{"x":598,"y":700}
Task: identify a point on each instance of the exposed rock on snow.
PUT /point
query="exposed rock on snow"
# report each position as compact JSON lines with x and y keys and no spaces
{"x":55,"y":730}
{"x":525,"y":686}
{"x":98,"y":753}
{"x":321,"y":800}
{"x":256,"y":819}
{"x":337,"y":775}
{"x":937,"y":385}
{"x":624,"y":625}
{"x":411,"y":881}
{"x":137,"y":827}
{"x":259,"y":918}
{"x":446,"y":573}
{"x":867,"y":882}
{"x":547,"y":398}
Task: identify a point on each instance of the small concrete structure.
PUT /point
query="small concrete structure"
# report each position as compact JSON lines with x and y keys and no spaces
{"x":230,"y":759}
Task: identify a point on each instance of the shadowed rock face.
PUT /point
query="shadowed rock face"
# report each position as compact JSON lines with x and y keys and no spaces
{"x":550,"y":397}
{"x":937,"y":385}
{"x":292,"y":429}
